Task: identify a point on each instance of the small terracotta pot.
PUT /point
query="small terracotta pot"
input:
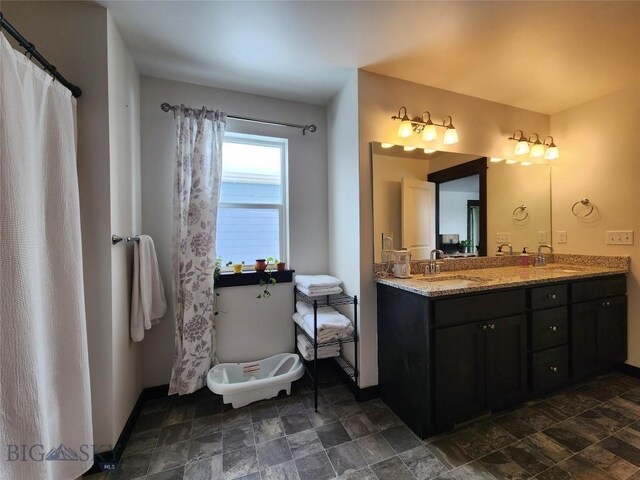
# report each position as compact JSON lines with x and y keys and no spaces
{"x":281,"y":266}
{"x":261,"y":265}
{"x":237,"y":268}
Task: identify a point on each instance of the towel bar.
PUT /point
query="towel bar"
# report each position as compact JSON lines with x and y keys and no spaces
{"x":115,"y":239}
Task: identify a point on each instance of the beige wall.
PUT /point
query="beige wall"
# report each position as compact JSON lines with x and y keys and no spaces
{"x":510,"y":186}
{"x":599,"y":145}
{"x":483,"y":128}
{"x":124,"y":152}
{"x":248,"y":328}
{"x":81,"y":41}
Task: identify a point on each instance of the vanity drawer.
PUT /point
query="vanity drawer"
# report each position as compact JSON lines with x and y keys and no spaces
{"x":550,"y":369}
{"x":548,"y":297}
{"x":549,"y":328}
{"x":598,"y":288}
{"x":459,"y":311}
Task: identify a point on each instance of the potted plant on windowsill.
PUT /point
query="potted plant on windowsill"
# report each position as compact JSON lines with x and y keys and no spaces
{"x":237,"y":267}
{"x":464,"y":246}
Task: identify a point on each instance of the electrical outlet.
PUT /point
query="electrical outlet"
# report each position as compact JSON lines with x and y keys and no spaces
{"x":562,"y":236}
{"x":543,"y":237}
{"x":619,"y":237}
{"x":503,"y":237}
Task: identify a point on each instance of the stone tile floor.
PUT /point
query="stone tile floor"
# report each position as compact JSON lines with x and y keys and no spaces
{"x":589,"y":431}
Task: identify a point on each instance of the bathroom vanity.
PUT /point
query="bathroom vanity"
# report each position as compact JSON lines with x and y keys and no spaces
{"x":460,"y":344}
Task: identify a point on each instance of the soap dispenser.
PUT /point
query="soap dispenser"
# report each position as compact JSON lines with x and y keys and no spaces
{"x":524,"y":258}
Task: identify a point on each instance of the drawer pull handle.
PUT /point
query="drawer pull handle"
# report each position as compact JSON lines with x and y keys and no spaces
{"x":552,"y":296}
{"x":553,"y":369}
{"x":492,"y":326}
{"x":553,"y":328}
{"x":484,"y":327}
{"x":608,"y":304}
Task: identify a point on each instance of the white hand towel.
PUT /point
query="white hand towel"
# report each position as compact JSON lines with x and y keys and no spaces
{"x":316,"y":292}
{"x":148,"y":302}
{"x":304,"y":345}
{"x":314,"y":281}
{"x":325,"y":333}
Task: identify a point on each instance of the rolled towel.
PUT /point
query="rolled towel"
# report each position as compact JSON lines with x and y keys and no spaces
{"x":317,"y":292}
{"x":304,"y":309}
{"x":314,"y":281}
{"x":325,"y":333}
{"x":328,"y":318}
{"x":304,"y":345}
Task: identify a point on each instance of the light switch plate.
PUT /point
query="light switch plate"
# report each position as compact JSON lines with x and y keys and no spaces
{"x":543,"y":237}
{"x":503,"y":237}
{"x":619,"y":237}
{"x":562,"y":236}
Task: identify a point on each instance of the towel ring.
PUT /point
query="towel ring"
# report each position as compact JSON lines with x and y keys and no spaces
{"x":585,"y":202}
{"x":518,"y":213}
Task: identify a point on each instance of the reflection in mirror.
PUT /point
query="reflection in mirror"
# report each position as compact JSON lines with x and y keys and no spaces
{"x":404,"y":204}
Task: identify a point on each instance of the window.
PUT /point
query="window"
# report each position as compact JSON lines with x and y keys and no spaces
{"x":252,"y":215}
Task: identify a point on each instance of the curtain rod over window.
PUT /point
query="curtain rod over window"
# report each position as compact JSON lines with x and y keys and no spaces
{"x":305,"y":128}
{"x":35,"y":54}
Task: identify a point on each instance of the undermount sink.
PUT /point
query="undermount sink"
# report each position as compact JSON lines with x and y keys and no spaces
{"x":565,"y":268}
{"x":459,"y":281}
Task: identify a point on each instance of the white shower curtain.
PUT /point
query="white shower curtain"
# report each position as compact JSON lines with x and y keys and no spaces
{"x":196,"y":195}
{"x":45,"y":409}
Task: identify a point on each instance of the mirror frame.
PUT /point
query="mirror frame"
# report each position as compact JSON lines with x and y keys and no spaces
{"x":474,"y":167}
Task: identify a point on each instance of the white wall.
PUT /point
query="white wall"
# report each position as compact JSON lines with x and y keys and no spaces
{"x":599,"y":147}
{"x":248,"y":328}
{"x":124,"y":176}
{"x":344,"y":228}
{"x":483,"y":128}
{"x":453,"y":212}
{"x":80,"y":39}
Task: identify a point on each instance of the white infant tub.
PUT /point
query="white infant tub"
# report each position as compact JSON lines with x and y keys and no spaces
{"x":243,"y":383}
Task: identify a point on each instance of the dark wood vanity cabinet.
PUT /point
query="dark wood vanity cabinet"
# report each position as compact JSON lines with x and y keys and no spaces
{"x":444,"y":360}
{"x":598,"y":325}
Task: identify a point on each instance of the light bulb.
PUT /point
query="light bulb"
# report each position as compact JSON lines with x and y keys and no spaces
{"x":511,"y":162}
{"x":496,"y":159}
{"x":429,"y":134}
{"x":552,"y":153}
{"x":386,"y":145}
{"x":522,"y":148}
{"x":450,"y":136}
{"x":408,"y":148}
{"x":405,"y":130}
{"x":538,"y":150}
{"x":526,"y":164}
{"x":430,"y":150}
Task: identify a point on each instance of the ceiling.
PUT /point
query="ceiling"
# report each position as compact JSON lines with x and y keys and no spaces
{"x":541,"y":56}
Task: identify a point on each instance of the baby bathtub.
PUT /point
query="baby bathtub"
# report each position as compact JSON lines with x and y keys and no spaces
{"x":243,"y":383}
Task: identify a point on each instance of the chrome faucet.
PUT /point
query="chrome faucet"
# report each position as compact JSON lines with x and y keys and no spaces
{"x":432,"y":267}
{"x":505,"y":245}
{"x":540,"y":261}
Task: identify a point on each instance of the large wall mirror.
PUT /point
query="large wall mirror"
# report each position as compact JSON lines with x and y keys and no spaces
{"x":463,"y":204}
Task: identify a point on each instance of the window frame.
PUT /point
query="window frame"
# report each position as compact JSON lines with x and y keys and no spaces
{"x":283,"y":206}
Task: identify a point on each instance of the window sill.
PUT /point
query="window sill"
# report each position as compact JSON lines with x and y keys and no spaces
{"x":227,"y":279}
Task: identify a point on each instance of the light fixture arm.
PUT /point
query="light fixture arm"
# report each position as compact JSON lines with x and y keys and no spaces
{"x":537,"y":138}
{"x":550,"y":144}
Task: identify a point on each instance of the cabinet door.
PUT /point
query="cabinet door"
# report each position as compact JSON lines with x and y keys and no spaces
{"x":460,"y":373}
{"x":506,"y":361}
{"x":584,"y":335}
{"x":612,"y":331}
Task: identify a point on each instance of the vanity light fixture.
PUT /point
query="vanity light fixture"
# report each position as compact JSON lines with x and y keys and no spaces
{"x":425,"y":126}
{"x":408,"y":148}
{"x":511,"y":161}
{"x":387,"y":145}
{"x":429,"y":151}
{"x":525,"y":163}
{"x":496,"y":160}
{"x":538,"y":149}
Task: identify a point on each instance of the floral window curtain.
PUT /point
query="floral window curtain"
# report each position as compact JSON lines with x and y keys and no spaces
{"x":195,"y":207}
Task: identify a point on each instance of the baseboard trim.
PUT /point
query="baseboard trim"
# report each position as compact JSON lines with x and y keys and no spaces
{"x":629,"y":370}
{"x":367,"y":393}
{"x":107,"y":461}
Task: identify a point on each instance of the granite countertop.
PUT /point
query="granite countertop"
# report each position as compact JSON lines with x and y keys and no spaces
{"x":483,"y":279}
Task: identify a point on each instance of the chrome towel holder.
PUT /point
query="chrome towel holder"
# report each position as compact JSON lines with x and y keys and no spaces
{"x":520,"y":213}
{"x":115,"y":239}
{"x":586,"y":203}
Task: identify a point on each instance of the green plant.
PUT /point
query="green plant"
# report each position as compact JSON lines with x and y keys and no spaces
{"x":265,"y":284}
{"x":216,"y":275}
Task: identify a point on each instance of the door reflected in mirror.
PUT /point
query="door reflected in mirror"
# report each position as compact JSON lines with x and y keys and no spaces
{"x":459,"y":203}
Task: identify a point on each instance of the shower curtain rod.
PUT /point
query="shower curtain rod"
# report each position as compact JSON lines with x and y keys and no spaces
{"x":35,"y":54}
{"x":311,"y":128}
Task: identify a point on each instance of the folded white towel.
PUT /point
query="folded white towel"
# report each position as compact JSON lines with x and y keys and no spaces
{"x":328,"y":318}
{"x":305,"y":346}
{"x":326,"y":333}
{"x":148,"y":303}
{"x":316,"y":292}
{"x":315,"y":281}
{"x":309,"y":355}
{"x":304,"y":308}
